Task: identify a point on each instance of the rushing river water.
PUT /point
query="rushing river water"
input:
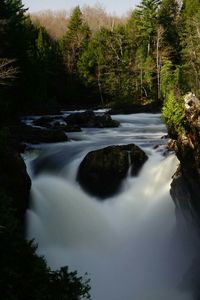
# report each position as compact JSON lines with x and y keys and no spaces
{"x":131,"y":245}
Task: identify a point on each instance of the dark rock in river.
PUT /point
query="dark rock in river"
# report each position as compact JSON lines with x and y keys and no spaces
{"x":72,"y":128}
{"x":43,"y":121}
{"x":101,"y":172}
{"x":126,"y":109}
{"x":185,"y":188}
{"x":89,"y":119}
{"x":33,"y":135}
{"x":53,"y":124}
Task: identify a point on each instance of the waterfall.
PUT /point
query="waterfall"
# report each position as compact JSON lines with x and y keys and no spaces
{"x":131,"y":245}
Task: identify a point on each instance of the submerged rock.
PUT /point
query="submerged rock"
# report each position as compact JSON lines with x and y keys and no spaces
{"x":89,"y":119}
{"x":101,"y":172}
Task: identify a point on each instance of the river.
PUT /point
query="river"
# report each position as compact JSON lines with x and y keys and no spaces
{"x":132,"y":245}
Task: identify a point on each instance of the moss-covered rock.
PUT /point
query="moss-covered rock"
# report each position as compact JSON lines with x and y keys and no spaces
{"x":185,"y":188}
{"x":101,"y":172}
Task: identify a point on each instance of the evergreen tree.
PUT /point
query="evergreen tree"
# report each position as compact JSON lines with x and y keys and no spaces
{"x":12,"y":35}
{"x":147,"y":13}
{"x":190,"y":42}
{"x":106,"y":64}
{"x":75,"y":40}
{"x":148,"y":39}
{"x":12,"y":49}
{"x":44,"y":58}
{"x":169,"y":19}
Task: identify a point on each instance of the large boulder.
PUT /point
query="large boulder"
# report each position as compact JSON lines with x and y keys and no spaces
{"x":101,"y":172}
{"x":89,"y":119}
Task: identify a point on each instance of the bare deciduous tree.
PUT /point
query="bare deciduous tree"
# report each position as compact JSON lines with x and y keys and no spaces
{"x":96,"y":17}
{"x":7,"y":70}
{"x":55,"y":22}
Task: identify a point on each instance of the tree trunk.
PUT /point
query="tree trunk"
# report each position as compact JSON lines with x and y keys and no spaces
{"x":141,"y":83}
{"x":99,"y":86}
{"x":158,"y":60}
{"x":158,"y":68}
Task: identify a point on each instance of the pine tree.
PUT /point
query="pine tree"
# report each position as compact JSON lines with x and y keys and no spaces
{"x":169,"y":19}
{"x":12,"y":17}
{"x":147,"y":21}
{"x":75,"y":40}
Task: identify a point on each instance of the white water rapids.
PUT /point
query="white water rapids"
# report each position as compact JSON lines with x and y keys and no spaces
{"x":131,"y":245}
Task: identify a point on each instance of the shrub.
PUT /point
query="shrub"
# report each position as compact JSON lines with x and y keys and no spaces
{"x":173,"y":113}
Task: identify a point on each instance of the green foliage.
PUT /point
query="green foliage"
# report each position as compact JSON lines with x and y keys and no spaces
{"x":173,"y":113}
{"x":106,"y":64}
{"x":75,"y":40}
{"x":169,"y":19}
{"x":24,"y":275}
{"x":79,"y":286}
{"x":147,"y":21}
{"x":47,"y":64}
{"x":120,"y":64}
{"x":39,"y":82}
{"x":123,"y":63}
{"x":190,"y":53}
{"x":12,"y":46}
{"x":169,"y":78}
{"x":12,"y":17}
{"x":190,"y":8}
{"x":75,"y":21}
{"x":43,"y":44}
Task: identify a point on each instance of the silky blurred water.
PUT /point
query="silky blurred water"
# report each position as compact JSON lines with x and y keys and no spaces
{"x":131,"y":245}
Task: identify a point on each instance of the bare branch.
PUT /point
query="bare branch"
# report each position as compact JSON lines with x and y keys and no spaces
{"x":7,"y":70}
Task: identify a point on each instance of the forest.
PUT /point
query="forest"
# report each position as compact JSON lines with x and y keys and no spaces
{"x":150,"y":57}
{"x":142,"y":59}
